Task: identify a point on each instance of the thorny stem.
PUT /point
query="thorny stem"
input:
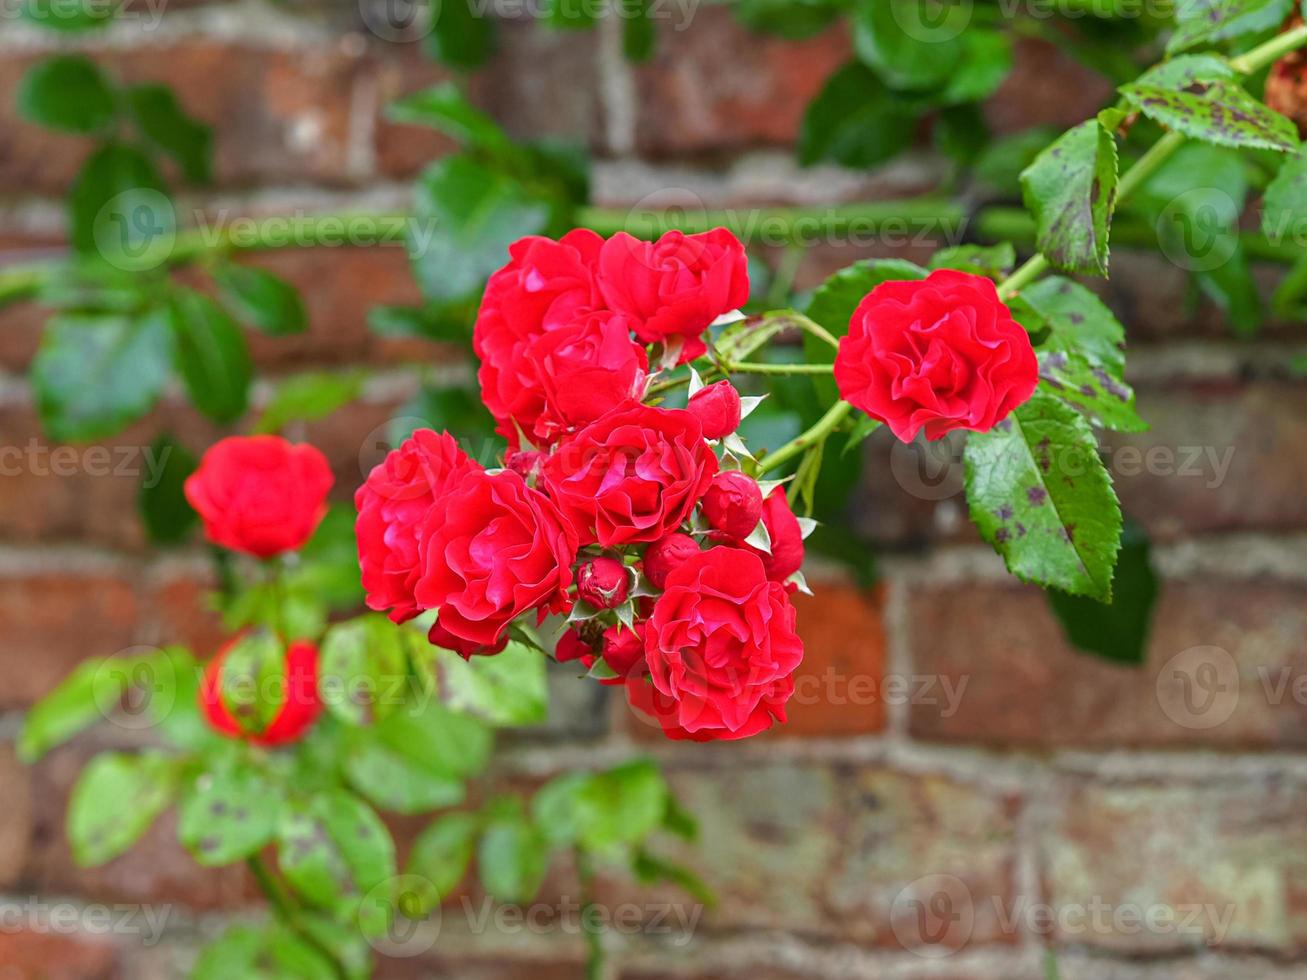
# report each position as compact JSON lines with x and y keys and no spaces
{"x":288,"y":912}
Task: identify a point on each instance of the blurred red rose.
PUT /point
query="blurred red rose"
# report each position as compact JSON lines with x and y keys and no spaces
{"x":941,"y":353}
{"x":493,"y":549}
{"x":260,"y":494}
{"x":674,"y":288}
{"x":392,"y":506}
{"x":633,"y":475}
{"x":721,"y":645}
{"x":282,"y":712}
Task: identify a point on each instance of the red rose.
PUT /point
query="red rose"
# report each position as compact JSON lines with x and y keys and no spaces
{"x":580,"y":370}
{"x":233,"y":699}
{"x":260,"y":494}
{"x":544,"y":286}
{"x":786,"y":556}
{"x":941,"y":353}
{"x":717,"y":407}
{"x":393,"y":505}
{"x":571,"y":647}
{"x":491,"y":550}
{"x":603,"y":582}
{"x":622,"y":650}
{"x":676,"y":287}
{"x":721,"y":645}
{"x":441,"y":637}
{"x":664,"y":555}
{"x":633,"y":475}
{"x":733,"y":504}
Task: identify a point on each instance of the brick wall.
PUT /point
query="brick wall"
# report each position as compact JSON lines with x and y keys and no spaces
{"x":948,"y":753}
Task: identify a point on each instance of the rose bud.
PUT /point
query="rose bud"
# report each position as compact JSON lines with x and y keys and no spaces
{"x":603,"y":582}
{"x":238,"y":700}
{"x":571,"y":647}
{"x":733,"y":504}
{"x":717,"y":407}
{"x":260,"y":494}
{"x":664,"y":555}
{"x":624,"y":652}
{"x":438,"y":636}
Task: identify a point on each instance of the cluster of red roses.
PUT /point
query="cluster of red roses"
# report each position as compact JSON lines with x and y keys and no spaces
{"x":613,"y":511}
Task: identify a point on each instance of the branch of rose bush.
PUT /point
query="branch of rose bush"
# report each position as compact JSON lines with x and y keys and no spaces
{"x":805,"y":440}
{"x":1162,"y":150}
{"x":287,"y":911}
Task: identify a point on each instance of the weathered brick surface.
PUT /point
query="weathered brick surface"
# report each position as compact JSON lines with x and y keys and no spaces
{"x":1026,"y":98}
{"x":718,"y":87}
{"x":1186,"y":866}
{"x":40,"y":955}
{"x":1225,"y":667}
{"x":15,"y":817}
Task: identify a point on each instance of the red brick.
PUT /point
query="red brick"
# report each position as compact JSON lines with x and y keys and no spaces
{"x":1229,"y":643}
{"x":1029,"y":96}
{"x":54,"y":619}
{"x":1231,"y":850}
{"x":717,"y":86}
{"x":178,"y":610}
{"x":157,"y":870}
{"x":15,"y":818}
{"x":31,"y":955}
{"x":839,"y":688}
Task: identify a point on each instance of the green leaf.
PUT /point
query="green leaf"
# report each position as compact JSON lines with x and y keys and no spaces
{"x":999,"y":166}
{"x":67,"y":92}
{"x":1284,"y":209}
{"x":1290,"y":299}
{"x":445,"y":108}
{"x":650,"y":869}
{"x":854,"y":121}
{"x":252,"y":678}
{"x":68,"y":16}
{"x":226,"y":815}
{"x":363,"y":672}
{"x":437,"y":739}
{"x":621,"y":806}
{"x":1188,"y":70}
{"x":1117,"y":630}
{"x":166,"y":125}
{"x":570,"y":14}
{"x":261,"y":299}
{"x":466,"y":217}
{"x":161,"y":499}
{"x":441,"y":855}
{"x":398,"y":776}
{"x":211,"y":354}
{"x":118,"y":208}
{"x":994,"y":261}
{"x":1040,"y":495}
{"x":510,"y":688}
{"x":1224,"y":114}
{"x":440,"y":322}
{"x":333,"y":850}
{"x":1091,"y":390}
{"x":460,"y":36}
{"x":1071,"y":191}
{"x":639,"y":35}
{"x":904,"y":48}
{"x":986,"y":60}
{"x":308,"y":397}
{"x":1079,"y":322}
{"x":94,"y":374}
{"x":790,"y":19}
{"x":275,"y":952}
{"x":114,"y":802}
{"x":512,"y":856}
{"x":1206,"y":21}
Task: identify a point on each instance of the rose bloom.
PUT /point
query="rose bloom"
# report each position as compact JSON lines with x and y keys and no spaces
{"x":941,"y":353}
{"x":786,"y":556}
{"x":721,"y":645}
{"x":718,"y":409}
{"x":633,"y":475}
{"x":545,"y":285}
{"x":298,"y":707}
{"x":392,"y":507}
{"x":492,"y":549}
{"x":260,"y":494}
{"x":674,"y":288}
{"x":579,"y":371}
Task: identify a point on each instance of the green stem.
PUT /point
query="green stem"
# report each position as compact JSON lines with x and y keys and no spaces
{"x":800,"y":443}
{"x":594,"y":942}
{"x":748,"y":367}
{"x":1273,"y":50}
{"x":288,"y":912}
